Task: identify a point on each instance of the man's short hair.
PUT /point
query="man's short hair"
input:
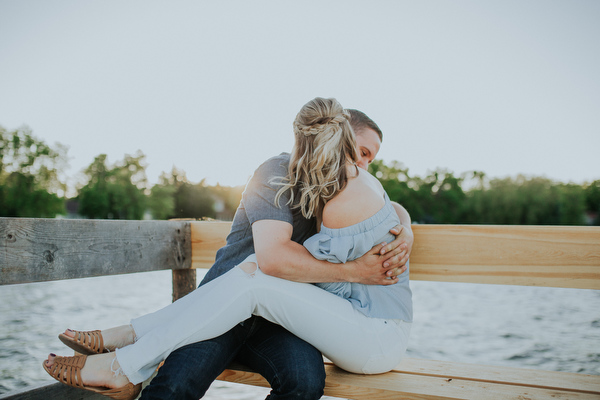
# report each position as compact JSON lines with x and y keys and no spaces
{"x":359,"y":120}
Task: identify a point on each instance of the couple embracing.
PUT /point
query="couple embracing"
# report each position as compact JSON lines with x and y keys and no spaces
{"x":316,"y":263}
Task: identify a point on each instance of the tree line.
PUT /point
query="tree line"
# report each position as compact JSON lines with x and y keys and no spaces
{"x":31,"y":186}
{"x":473,"y":198}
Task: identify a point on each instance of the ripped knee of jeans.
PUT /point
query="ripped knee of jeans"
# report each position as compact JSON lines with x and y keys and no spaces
{"x":249,"y":268}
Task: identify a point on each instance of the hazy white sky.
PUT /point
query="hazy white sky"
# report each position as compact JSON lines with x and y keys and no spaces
{"x":504,"y":87}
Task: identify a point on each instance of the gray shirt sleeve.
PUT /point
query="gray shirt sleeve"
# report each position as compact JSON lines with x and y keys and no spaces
{"x":259,"y":197}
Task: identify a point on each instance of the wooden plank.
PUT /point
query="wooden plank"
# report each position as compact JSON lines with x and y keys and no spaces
{"x":207,"y":238}
{"x":57,"y":391}
{"x":389,"y":386}
{"x":54,"y":391}
{"x":507,"y":245}
{"x":555,"y":256}
{"x":33,"y":250}
{"x":394,"y":385}
{"x":562,"y":381}
{"x":566,"y":276}
{"x":243,"y":376}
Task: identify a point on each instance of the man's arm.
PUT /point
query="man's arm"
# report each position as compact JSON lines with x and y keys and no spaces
{"x":279,"y":256}
{"x":405,"y":236}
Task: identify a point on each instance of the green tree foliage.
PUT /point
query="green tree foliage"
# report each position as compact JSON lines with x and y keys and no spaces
{"x":524,"y":201}
{"x":228,"y":199}
{"x":29,"y":175}
{"x":115,"y":192}
{"x":194,"y":201}
{"x":440,"y":198}
{"x":30,"y":187}
{"x":176,"y":197}
{"x":592,"y":200}
{"x":571,"y":204}
{"x":399,"y":185}
{"x":161,"y":202}
{"x":437,"y":198}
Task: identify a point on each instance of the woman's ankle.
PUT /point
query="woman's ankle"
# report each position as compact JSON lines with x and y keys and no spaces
{"x":103,"y":370}
{"x":118,"y":337}
{"x":133,"y":335}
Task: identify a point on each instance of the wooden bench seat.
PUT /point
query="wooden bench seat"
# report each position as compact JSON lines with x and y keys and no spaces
{"x":427,"y":379}
{"x":512,"y":255}
{"x":36,"y":250}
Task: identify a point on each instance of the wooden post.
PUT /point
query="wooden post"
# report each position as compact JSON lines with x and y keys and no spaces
{"x":184,"y":282}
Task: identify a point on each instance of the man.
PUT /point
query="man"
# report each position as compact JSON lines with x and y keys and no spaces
{"x":293,"y":367}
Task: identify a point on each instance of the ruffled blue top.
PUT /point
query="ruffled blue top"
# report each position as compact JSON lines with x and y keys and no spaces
{"x":346,"y":244}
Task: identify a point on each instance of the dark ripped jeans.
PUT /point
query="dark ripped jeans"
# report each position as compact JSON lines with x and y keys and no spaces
{"x":293,"y":367}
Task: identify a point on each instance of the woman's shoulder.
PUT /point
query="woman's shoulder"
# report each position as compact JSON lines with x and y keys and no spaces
{"x":362,"y":198}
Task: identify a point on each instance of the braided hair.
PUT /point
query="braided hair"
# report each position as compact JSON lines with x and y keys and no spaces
{"x":324,"y":143}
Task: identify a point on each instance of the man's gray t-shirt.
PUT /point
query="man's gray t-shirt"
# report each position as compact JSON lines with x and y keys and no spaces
{"x":258,"y":203}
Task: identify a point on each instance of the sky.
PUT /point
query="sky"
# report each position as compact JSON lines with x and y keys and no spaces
{"x":212,"y":87}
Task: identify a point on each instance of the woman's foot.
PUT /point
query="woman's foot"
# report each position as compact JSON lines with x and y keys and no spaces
{"x":113,"y":338}
{"x":101,"y":370}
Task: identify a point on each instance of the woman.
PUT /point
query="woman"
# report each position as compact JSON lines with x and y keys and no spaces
{"x":353,"y":328}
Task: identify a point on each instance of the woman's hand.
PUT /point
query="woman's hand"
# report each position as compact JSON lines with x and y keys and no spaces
{"x":405,"y":239}
{"x":383,"y":263}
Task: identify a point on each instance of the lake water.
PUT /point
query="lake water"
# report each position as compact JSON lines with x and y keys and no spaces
{"x":546,"y":328}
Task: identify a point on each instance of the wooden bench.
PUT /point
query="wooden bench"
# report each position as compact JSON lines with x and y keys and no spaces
{"x":41,"y":250}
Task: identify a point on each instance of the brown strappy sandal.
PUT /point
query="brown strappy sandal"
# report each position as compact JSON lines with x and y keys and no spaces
{"x":67,"y":370}
{"x":87,"y":343}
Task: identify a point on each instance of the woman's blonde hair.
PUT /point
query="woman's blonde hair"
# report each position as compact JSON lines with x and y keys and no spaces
{"x":324,"y":143}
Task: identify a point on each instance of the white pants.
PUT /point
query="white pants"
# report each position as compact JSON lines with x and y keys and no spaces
{"x":347,"y":337}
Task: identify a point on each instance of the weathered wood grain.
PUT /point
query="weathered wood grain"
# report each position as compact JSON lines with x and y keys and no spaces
{"x":184,"y":282}
{"x":33,"y":250}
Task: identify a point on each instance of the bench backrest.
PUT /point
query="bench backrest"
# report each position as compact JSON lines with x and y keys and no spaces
{"x":36,"y":250}
{"x":554,"y":256}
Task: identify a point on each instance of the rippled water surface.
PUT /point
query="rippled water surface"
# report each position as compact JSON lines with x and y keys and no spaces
{"x":545,"y":328}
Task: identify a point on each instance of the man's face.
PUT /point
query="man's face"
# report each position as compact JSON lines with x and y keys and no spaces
{"x":368,"y":144}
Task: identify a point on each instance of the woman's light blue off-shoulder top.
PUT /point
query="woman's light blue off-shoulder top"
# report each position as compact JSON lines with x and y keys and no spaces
{"x":346,"y":244}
